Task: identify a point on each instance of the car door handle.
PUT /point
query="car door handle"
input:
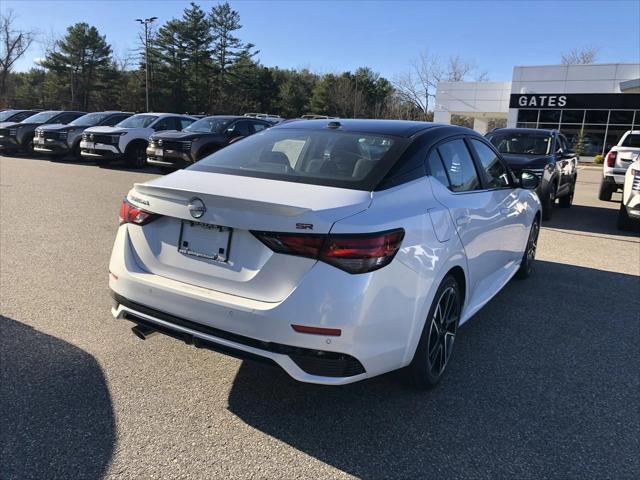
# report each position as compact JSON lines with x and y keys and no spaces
{"x":463,"y":220}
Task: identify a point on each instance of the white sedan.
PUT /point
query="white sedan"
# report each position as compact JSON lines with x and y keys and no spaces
{"x":336,"y":249}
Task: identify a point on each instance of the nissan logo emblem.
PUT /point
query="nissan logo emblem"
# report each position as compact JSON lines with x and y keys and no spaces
{"x":160,"y":142}
{"x":91,"y":136}
{"x":196,"y":207}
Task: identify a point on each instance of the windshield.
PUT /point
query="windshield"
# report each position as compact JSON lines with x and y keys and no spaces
{"x":137,"y":121}
{"x":521,"y":143}
{"x":40,"y":117}
{"x":208,"y":125}
{"x":89,"y":119}
{"x":632,"y":140}
{"x":7,"y":114}
{"x":348,"y":160}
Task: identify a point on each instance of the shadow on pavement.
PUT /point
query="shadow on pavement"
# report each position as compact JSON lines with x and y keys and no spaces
{"x":543,"y":384}
{"x":56,"y":417}
{"x":583,"y":218}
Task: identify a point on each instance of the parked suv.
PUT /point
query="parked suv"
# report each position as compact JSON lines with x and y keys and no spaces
{"x":59,"y":139}
{"x":629,"y":214}
{"x":548,"y":155}
{"x":616,"y":163}
{"x":129,"y":138}
{"x":19,"y":136}
{"x":172,"y":150}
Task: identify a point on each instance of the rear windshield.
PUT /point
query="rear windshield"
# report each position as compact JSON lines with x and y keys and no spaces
{"x":319,"y":157}
{"x":632,"y":140}
{"x":89,"y":120}
{"x":40,"y":117}
{"x":521,"y":143}
{"x":208,"y":125}
{"x":137,"y":121}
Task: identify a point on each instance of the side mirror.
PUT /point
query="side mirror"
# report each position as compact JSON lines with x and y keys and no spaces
{"x":529,"y":180}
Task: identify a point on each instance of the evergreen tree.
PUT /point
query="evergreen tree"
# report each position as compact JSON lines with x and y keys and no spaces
{"x":80,"y":58}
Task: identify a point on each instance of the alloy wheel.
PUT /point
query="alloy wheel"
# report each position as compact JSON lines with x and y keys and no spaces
{"x":442,"y":331}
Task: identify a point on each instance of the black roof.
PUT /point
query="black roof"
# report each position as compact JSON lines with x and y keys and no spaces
{"x":398,"y":128}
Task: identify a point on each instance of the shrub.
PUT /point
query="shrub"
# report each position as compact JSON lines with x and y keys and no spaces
{"x":598,"y":159}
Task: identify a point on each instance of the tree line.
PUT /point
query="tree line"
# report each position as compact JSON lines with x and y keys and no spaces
{"x":199,"y":64}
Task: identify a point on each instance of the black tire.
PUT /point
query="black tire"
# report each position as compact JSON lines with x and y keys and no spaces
{"x":435,"y":348}
{"x":605,"y":191}
{"x":27,"y":146}
{"x":624,"y":222}
{"x":548,"y":202}
{"x":136,"y":155}
{"x":529,"y":255}
{"x":567,"y":200}
{"x":75,"y":152}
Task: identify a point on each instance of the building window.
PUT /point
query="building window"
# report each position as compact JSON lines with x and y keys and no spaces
{"x":550,"y":116}
{"x":573,"y":116}
{"x":621,"y":117}
{"x":528,"y":116}
{"x":596,"y":117}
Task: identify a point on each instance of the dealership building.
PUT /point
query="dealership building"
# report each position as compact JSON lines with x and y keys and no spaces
{"x":600,"y":100}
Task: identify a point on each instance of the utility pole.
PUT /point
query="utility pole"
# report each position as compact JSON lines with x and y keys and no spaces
{"x":146,"y":23}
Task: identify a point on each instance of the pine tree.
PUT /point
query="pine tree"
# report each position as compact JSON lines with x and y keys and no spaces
{"x":81,"y":57}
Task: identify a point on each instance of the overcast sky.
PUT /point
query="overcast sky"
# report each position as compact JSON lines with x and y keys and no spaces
{"x":343,"y":35}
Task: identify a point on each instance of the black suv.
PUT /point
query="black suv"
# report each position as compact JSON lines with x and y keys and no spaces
{"x":172,"y":150}
{"x":58,"y":140}
{"x":15,"y":115}
{"x":548,"y":155}
{"x":19,"y":135}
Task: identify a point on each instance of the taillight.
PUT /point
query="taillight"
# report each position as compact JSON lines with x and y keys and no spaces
{"x":357,"y":253}
{"x":131,"y":214}
{"x":611,"y":158}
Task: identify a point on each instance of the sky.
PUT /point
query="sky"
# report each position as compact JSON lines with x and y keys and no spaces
{"x":335,"y":36}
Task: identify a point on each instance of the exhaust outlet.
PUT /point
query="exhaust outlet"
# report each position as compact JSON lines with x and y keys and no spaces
{"x":143,"y":332}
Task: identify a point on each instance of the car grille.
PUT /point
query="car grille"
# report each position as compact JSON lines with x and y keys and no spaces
{"x":182,"y":145}
{"x":636,"y":182}
{"x":13,"y":132}
{"x":100,"y":138}
{"x":51,"y":135}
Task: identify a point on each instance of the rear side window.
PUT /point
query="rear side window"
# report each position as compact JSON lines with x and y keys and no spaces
{"x":459,"y":166}
{"x":632,"y":140}
{"x":68,"y":117}
{"x":436,"y":168}
{"x":21,"y":116}
{"x":184,"y":123}
{"x":495,"y":173}
{"x":114,"y":120}
{"x":258,"y":127}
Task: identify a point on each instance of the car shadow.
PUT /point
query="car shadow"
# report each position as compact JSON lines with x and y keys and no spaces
{"x":116,"y":165}
{"x":539,"y":387}
{"x":588,"y":219}
{"x":56,"y":417}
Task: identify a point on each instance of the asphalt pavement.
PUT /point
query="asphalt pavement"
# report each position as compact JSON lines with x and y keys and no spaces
{"x":544,"y":382}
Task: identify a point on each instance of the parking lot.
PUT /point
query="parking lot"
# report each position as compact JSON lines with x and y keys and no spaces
{"x":544,"y":383}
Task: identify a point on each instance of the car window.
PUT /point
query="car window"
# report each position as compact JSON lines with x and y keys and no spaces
{"x":496,"y":174}
{"x":184,"y":123}
{"x":459,"y":166}
{"x":167,"y":123}
{"x":138,"y":121}
{"x":242,"y":129}
{"x":632,"y":140}
{"x":257,"y":127}
{"x":518,"y":143}
{"x":436,"y":168}
{"x":67,"y":117}
{"x":114,"y":120}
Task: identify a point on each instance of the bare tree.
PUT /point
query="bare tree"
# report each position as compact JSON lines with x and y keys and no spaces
{"x":418,"y":85}
{"x":13,"y":45}
{"x":580,"y":56}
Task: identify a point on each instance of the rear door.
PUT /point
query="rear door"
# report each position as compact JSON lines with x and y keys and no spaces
{"x":475,"y":211}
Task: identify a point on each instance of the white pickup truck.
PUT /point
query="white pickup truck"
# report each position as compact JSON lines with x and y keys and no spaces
{"x":617,"y":162}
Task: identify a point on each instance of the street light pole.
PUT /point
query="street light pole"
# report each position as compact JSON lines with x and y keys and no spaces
{"x":146,"y":23}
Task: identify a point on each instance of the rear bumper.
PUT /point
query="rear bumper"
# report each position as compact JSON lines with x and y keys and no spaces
{"x":378,"y":315}
{"x":614,"y":176}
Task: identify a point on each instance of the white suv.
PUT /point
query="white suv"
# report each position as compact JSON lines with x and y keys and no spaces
{"x":630,"y":206}
{"x":129,"y":138}
{"x":616,"y":163}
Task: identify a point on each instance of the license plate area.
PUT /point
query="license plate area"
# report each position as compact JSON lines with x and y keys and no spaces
{"x":159,"y":152}
{"x":202,"y":240}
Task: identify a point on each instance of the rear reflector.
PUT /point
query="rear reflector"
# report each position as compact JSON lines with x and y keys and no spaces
{"x":129,"y":213}
{"x":611,"y":158}
{"x":332,"y":332}
{"x":357,"y":253}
